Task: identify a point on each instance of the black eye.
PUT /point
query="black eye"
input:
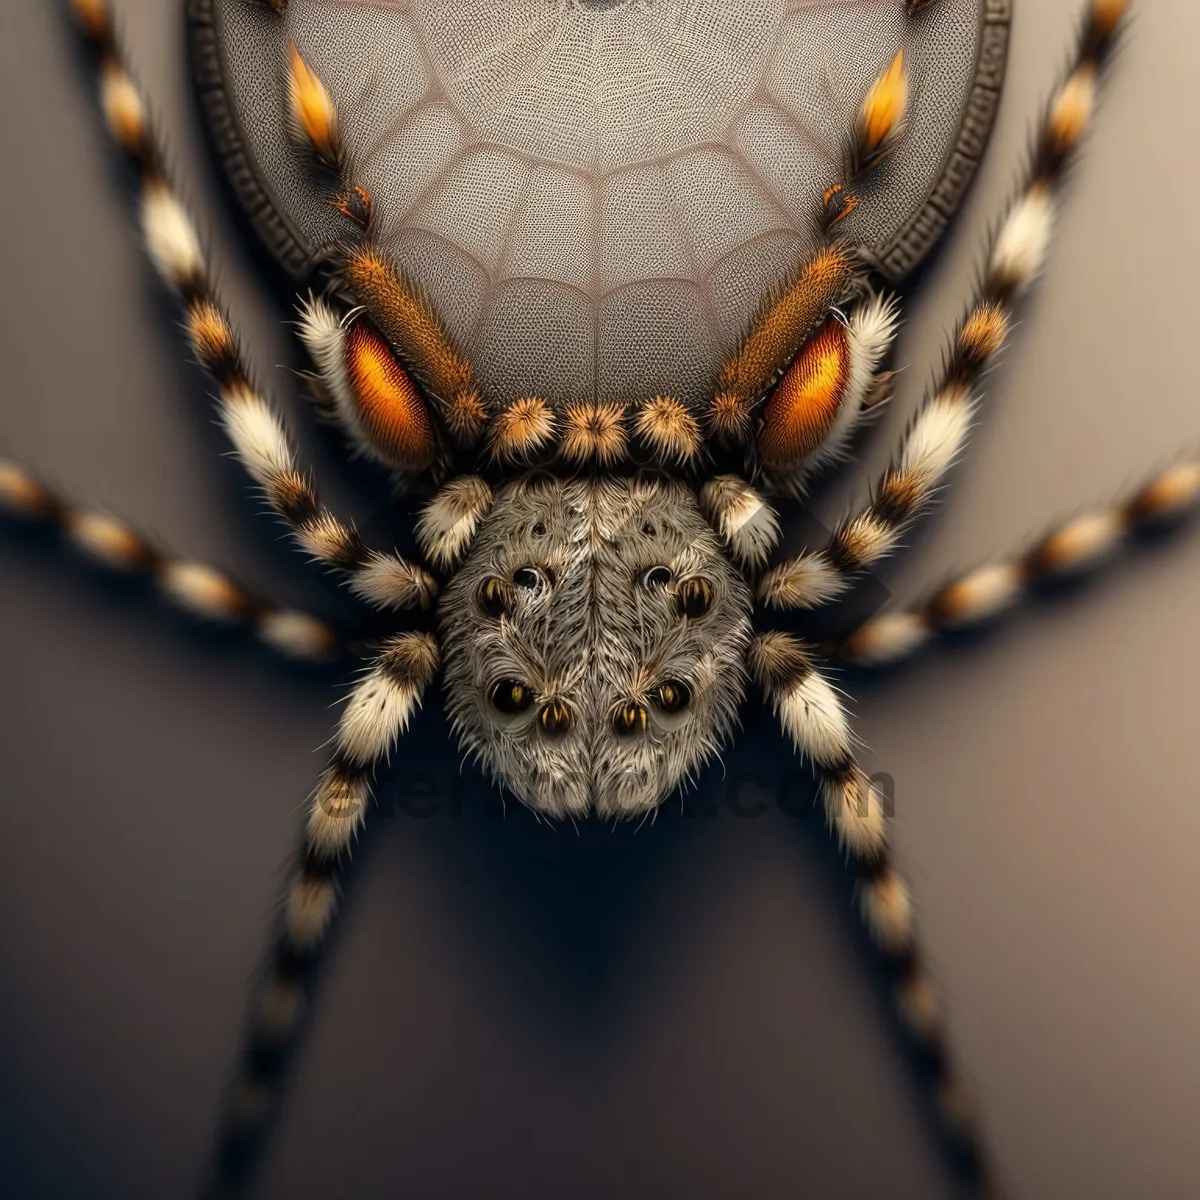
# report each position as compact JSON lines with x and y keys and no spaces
{"x":656,"y":577}
{"x":556,"y":718}
{"x":538,"y":530}
{"x":493,"y":597}
{"x":529,"y":577}
{"x":629,"y":719}
{"x":694,"y":597}
{"x":673,"y":696}
{"x":511,"y":696}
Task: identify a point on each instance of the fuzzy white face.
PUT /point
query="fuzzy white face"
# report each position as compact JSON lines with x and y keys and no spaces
{"x":594,"y":643}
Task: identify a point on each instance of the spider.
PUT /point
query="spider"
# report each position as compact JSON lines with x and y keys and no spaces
{"x":533,"y":686}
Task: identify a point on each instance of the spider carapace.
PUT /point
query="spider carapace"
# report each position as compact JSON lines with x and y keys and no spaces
{"x":605,"y":378}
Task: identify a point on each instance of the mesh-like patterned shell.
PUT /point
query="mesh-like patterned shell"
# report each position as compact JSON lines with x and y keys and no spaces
{"x":596,"y":194}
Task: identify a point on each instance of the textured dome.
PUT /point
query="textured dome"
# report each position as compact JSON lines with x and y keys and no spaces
{"x":595,"y":194}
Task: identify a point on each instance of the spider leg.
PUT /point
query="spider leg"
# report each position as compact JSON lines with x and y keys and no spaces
{"x":938,"y":432}
{"x":795,"y":312}
{"x":259,"y":438}
{"x":376,"y":714}
{"x":980,"y":595}
{"x":747,"y":524}
{"x":811,"y":713}
{"x":831,"y":389}
{"x":195,"y":588}
{"x":787,"y":319}
{"x":448,"y":522}
{"x":401,"y":309}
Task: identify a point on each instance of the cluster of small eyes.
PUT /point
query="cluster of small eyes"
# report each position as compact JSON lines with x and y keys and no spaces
{"x":692,"y":598}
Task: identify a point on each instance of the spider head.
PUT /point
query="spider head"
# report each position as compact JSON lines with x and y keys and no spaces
{"x":594,"y":643}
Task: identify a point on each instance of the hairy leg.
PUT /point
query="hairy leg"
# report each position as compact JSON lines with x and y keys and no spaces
{"x":810,"y":712}
{"x":1077,"y":545}
{"x":395,"y":305}
{"x":259,"y":438}
{"x":193,"y":587}
{"x":375,"y":716}
{"x":937,"y":434}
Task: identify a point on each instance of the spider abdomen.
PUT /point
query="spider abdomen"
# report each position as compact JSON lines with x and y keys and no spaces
{"x":594,"y":197}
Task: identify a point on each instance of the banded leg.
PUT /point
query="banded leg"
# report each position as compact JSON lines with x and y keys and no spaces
{"x":258,"y":436}
{"x":801,"y":306}
{"x":811,"y":713}
{"x":376,"y":714}
{"x":193,"y":587}
{"x":393,"y":302}
{"x":984,"y":593}
{"x":939,"y":431}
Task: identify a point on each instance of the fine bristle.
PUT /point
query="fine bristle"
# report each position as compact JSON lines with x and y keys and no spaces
{"x":744,"y":520}
{"x":813,"y":716}
{"x":594,"y":433}
{"x":355,"y":202}
{"x":377,"y":712}
{"x":982,"y":335}
{"x":313,"y":117}
{"x":213,"y":342}
{"x":667,"y":426}
{"x":387,"y":581}
{"x":779,"y":662}
{"x":337,"y":812}
{"x":802,"y":582}
{"x":882,"y":118}
{"x":857,"y":810}
{"x":521,"y":429}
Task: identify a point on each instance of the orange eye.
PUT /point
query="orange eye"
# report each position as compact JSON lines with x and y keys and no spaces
{"x":803,"y":407}
{"x":390,"y":409}
{"x":628,"y":719}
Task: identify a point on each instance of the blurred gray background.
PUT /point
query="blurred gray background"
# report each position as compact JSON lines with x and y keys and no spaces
{"x":521,"y":1010}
